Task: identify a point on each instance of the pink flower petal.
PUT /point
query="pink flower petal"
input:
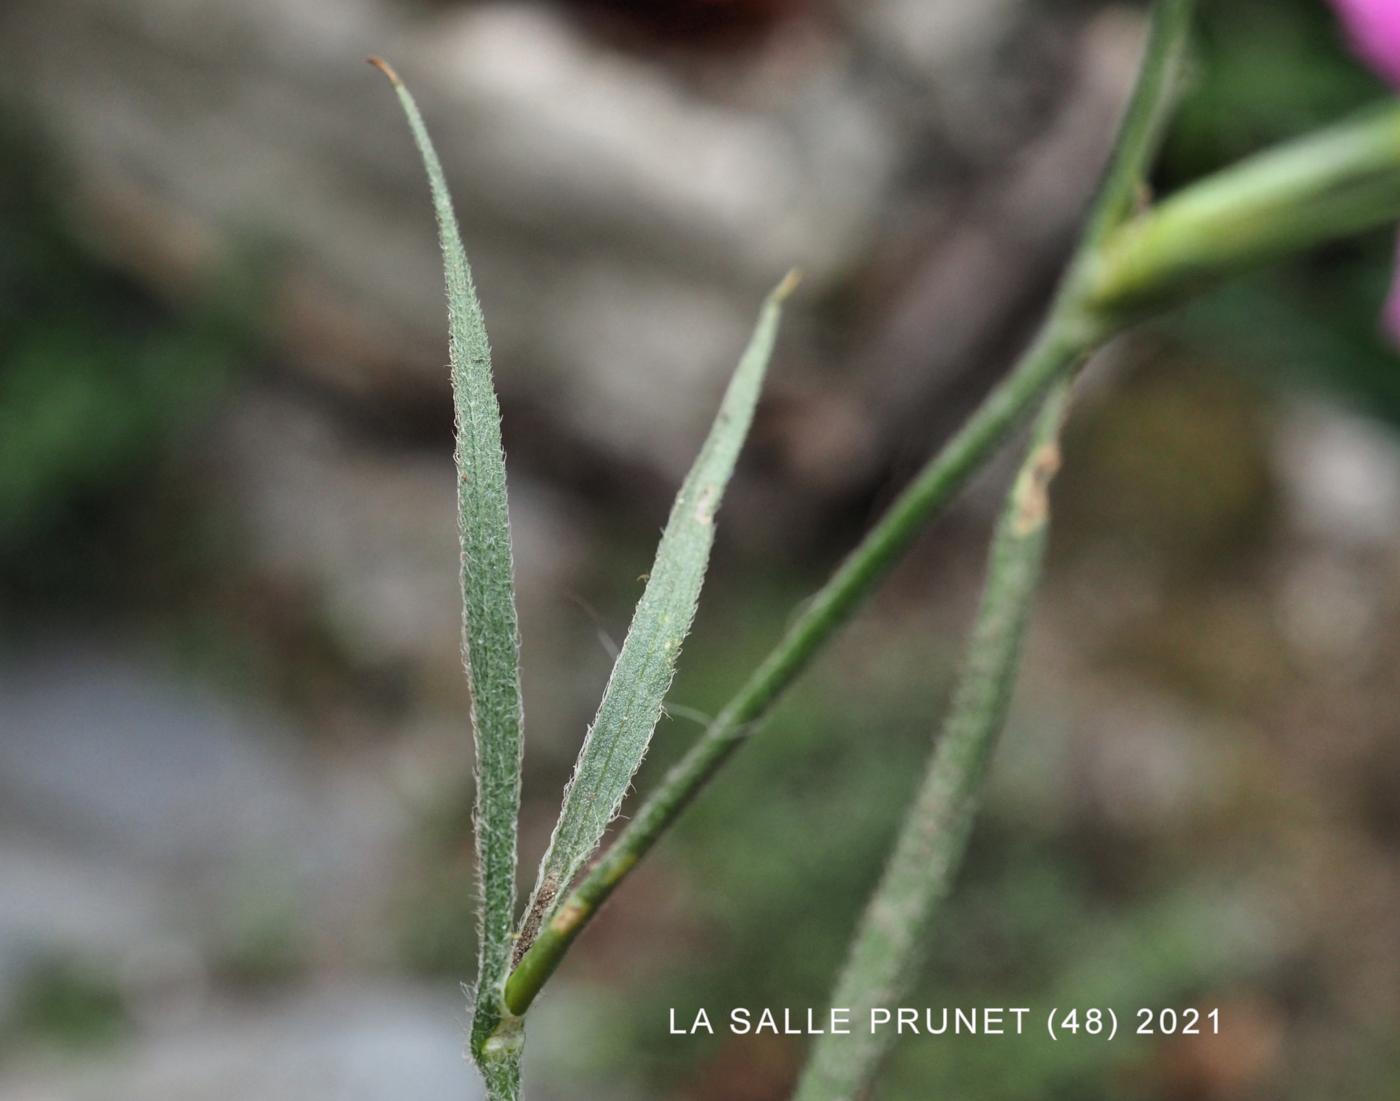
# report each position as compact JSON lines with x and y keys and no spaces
{"x":1374,"y":28}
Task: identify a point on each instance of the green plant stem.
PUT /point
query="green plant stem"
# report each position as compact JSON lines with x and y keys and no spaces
{"x":888,"y":946}
{"x":1124,"y":184}
{"x":1067,"y":338}
{"x":498,"y":1058}
{"x":1330,"y":184}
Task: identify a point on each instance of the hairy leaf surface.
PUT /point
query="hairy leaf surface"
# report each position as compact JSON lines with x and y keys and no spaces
{"x":490,"y":635}
{"x":617,"y":740}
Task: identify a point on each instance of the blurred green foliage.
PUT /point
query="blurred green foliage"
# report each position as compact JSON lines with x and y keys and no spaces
{"x":1265,"y":70}
{"x":97,"y":382}
{"x":261,"y":937}
{"x":66,"y":1003}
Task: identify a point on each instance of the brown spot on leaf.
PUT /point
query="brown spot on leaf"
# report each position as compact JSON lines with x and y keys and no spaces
{"x":570,"y":916}
{"x":705,"y":505}
{"x":530,"y":927}
{"x":1033,"y":490}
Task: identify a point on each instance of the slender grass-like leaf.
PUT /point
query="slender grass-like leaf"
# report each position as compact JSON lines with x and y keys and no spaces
{"x":888,"y":945}
{"x":617,"y":740}
{"x":490,"y":636}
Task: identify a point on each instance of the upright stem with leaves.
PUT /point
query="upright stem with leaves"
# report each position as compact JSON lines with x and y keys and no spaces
{"x":617,"y":740}
{"x":1339,"y":182}
{"x":1065,"y":340}
{"x":1133,"y":259}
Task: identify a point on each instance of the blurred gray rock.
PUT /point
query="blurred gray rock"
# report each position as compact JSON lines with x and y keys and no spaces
{"x":624,"y":215}
{"x":1340,"y":475}
{"x":371,"y":532}
{"x":109,"y":753}
{"x":62,"y":902}
{"x":340,"y":1043}
{"x":622,"y":229}
{"x":142,"y":818}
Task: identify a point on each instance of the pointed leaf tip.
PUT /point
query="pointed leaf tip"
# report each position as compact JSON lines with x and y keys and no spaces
{"x":385,"y":68}
{"x":633,"y":701}
{"x":783,"y":291}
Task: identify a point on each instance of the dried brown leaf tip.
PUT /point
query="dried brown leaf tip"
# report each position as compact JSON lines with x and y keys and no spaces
{"x":789,"y":284}
{"x":385,"y":68}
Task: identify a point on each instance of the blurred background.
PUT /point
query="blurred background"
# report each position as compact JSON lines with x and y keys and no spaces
{"x":235,"y":774}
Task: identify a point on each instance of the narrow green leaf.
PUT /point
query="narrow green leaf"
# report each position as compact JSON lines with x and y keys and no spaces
{"x":490,"y":636}
{"x":618,"y":738}
{"x":888,"y":944}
